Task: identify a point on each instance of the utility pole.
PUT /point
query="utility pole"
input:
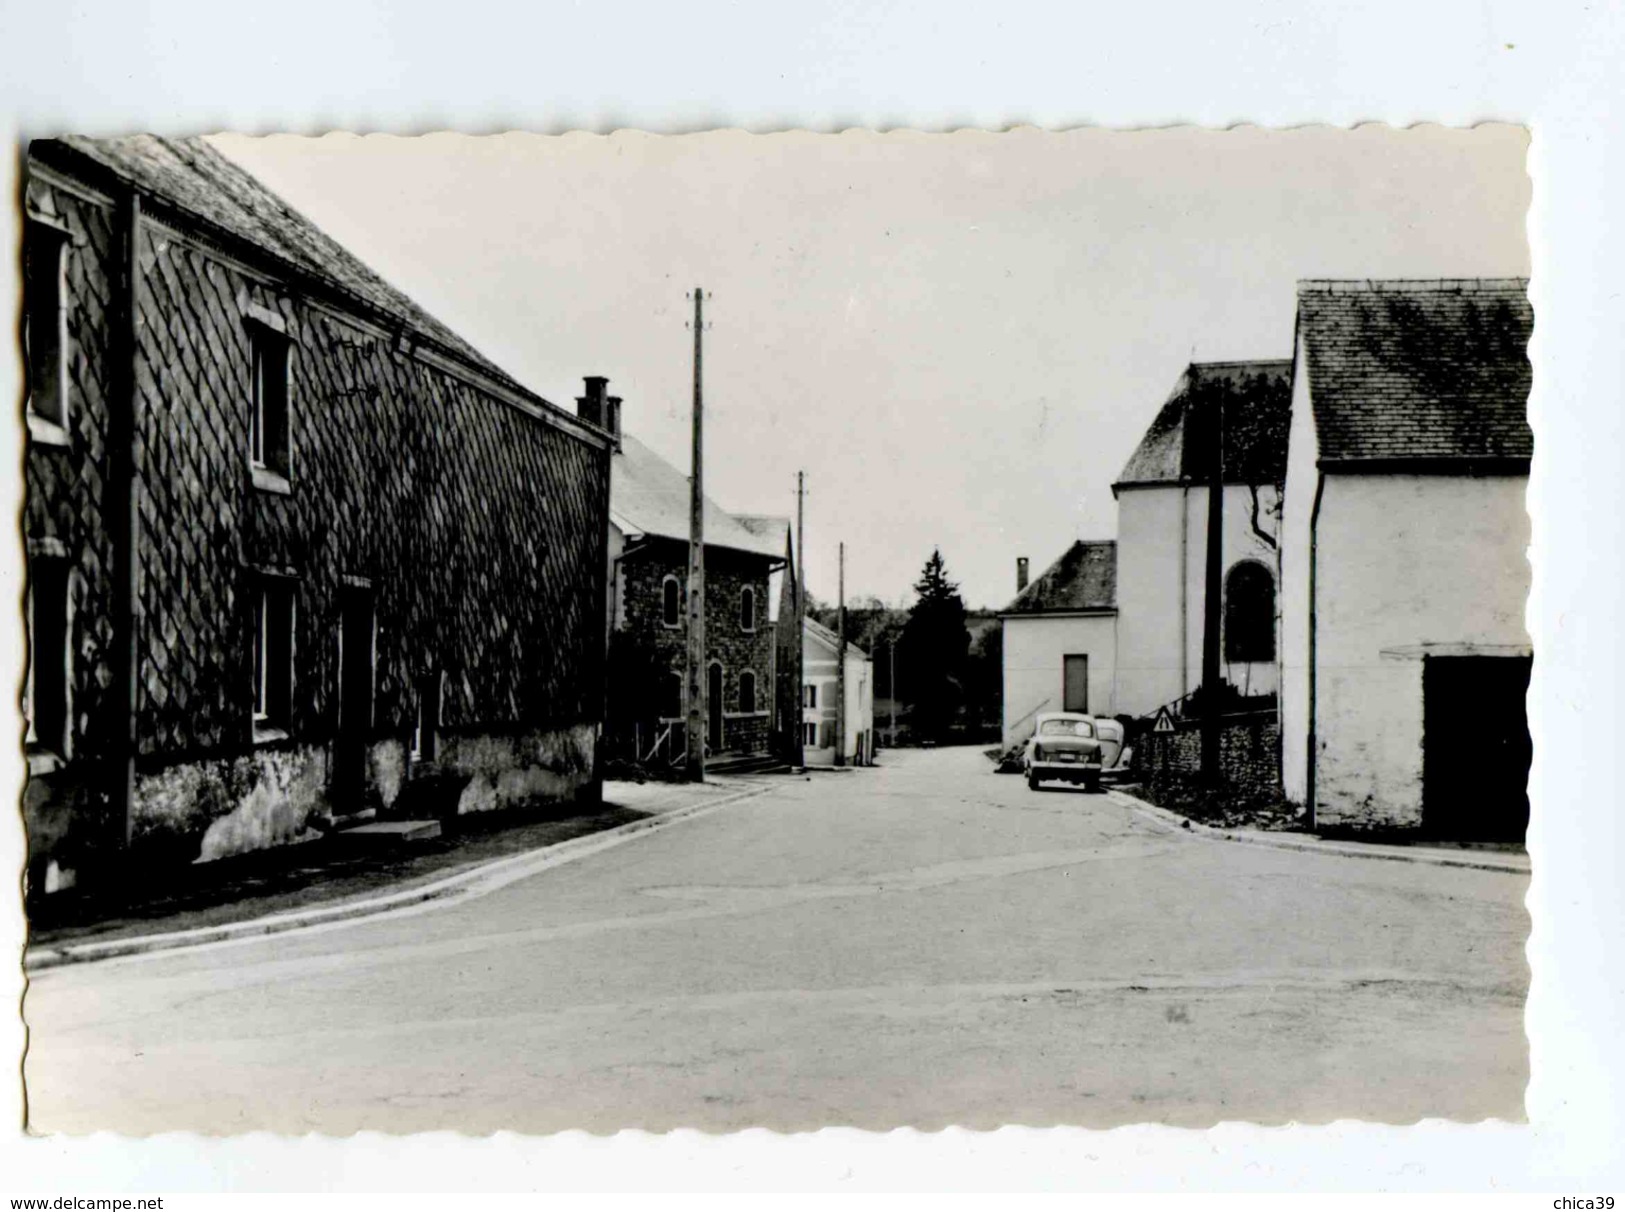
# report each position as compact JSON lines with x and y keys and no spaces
{"x":1211,"y":600}
{"x":891,"y":684}
{"x":799,"y":747}
{"x":840,"y":660}
{"x":697,"y":705}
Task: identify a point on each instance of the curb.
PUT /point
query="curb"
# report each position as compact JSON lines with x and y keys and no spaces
{"x":461,"y":886}
{"x":1245,"y":837}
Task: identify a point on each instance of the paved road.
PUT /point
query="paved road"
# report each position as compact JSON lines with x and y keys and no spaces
{"x":922,"y":944}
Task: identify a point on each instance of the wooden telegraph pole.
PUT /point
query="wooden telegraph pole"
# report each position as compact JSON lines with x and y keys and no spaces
{"x":799,"y":746}
{"x":694,"y":767}
{"x":840,"y":660}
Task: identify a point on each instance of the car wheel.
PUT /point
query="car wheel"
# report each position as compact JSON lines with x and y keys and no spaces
{"x":1092,"y":786}
{"x":1032,"y":780}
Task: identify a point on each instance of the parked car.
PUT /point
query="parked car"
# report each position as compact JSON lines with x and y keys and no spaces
{"x":1109,"y":733}
{"x":1065,"y":746}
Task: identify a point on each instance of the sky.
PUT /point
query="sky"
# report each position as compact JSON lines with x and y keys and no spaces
{"x":959,"y":338}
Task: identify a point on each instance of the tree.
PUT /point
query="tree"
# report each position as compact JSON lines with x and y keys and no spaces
{"x":932,"y":654}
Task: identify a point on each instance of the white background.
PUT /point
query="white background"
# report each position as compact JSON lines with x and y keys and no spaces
{"x":309,"y":67}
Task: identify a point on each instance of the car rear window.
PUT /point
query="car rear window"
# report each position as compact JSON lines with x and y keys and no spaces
{"x":1066,"y":728}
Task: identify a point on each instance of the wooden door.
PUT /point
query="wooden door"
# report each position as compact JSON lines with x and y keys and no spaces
{"x":1075,"y":683}
{"x":1475,"y":747}
{"x":355,"y":698}
{"x":713,"y":701}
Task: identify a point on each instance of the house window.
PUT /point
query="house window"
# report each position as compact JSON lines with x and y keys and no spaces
{"x":1249,"y":613}
{"x":809,"y":735}
{"x":268,"y":428}
{"x":45,"y":693}
{"x":673,"y":709}
{"x":273,"y":656}
{"x":1075,"y":683}
{"x":426,"y":730}
{"x":747,"y":610}
{"x":45,"y":340}
{"x":809,"y":695}
{"x":671,"y":602}
{"x":747,"y":692}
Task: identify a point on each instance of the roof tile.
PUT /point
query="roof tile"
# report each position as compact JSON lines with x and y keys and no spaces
{"x":1084,"y":578}
{"x":1403,"y":369}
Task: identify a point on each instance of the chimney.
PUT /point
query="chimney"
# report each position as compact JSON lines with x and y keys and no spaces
{"x":612,"y":419}
{"x":590,"y":407}
{"x":1021,"y":573}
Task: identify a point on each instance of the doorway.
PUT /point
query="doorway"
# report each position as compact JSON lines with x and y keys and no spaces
{"x":713,"y":708}
{"x":356,"y":659}
{"x":1476,"y":748}
{"x":1075,"y":683}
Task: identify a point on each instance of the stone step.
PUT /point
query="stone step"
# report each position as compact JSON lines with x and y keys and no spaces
{"x":390,"y":833}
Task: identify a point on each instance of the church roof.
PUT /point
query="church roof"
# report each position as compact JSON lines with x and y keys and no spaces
{"x":1418,"y":370}
{"x":1084,"y":578}
{"x":1256,"y":400}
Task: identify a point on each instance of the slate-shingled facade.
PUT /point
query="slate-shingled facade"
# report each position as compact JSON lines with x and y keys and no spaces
{"x":291,"y":542}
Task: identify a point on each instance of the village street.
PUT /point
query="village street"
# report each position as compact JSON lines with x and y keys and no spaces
{"x":920,"y":943}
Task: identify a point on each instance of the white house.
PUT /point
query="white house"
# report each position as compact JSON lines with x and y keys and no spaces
{"x":820,"y":648}
{"x":1162,"y":510}
{"x":1060,"y":639}
{"x":1404,"y":656}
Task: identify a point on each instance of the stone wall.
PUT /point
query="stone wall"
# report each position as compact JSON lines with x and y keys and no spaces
{"x":1249,"y":755}
{"x":476,"y":525}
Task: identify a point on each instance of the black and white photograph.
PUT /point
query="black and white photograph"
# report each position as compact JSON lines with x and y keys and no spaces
{"x":724,"y":631}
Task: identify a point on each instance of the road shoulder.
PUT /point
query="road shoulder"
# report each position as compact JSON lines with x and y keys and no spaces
{"x":651,"y":807}
{"x":1512,"y":864}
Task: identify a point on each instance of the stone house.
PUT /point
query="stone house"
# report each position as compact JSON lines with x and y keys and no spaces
{"x":1404,"y":656}
{"x":646,"y":611}
{"x":821,"y":722}
{"x":1060,"y":639}
{"x":290,"y":541}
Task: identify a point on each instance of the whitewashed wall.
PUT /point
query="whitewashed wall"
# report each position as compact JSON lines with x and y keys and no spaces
{"x":1293,"y":601}
{"x":1033,"y":670}
{"x":1161,"y":580}
{"x":1404,"y":561}
{"x":1150,"y":610}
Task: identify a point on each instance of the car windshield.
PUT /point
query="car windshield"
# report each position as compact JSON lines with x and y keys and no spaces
{"x":1066,"y":728}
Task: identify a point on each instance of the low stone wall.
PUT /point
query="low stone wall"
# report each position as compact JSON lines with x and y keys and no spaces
{"x":746,"y":733}
{"x":212,"y":808}
{"x":1249,"y":755}
{"x":520,"y":770}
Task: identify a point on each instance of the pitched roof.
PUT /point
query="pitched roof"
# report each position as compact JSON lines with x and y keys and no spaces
{"x":774,"y":530}
{"x":194,"y":177}
{"x":828,"y":636}
{"x":1256,"y":400}
{"x":648,"y":496}
{"x":1084,"y":578}
{"x":1407,"y":370}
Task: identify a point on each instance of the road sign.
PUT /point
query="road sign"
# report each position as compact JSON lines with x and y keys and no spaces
{"x":1165,"y":722}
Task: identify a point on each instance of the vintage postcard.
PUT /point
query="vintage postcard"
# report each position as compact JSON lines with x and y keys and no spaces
{"x":792,"y":631}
